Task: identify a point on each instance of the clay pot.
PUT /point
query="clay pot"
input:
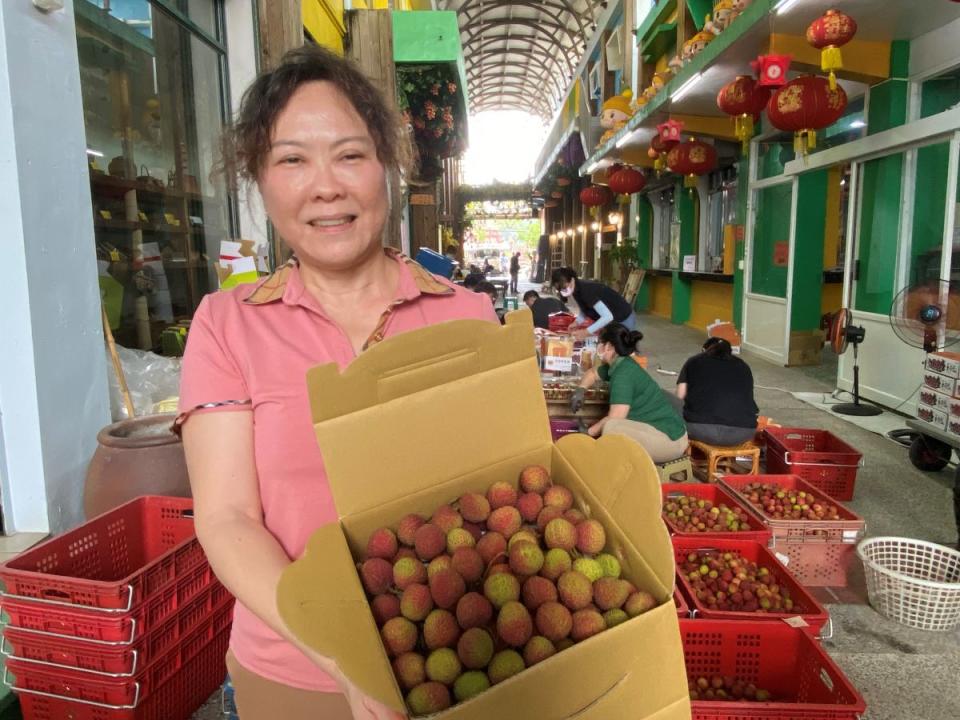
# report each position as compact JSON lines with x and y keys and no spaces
{"x":139,"y":456}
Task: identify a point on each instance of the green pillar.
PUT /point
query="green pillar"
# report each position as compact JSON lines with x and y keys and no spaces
{"x":687,"y":211}
{"x":888,"y":99}
{"x":644,"y":230}
{"x":807,"y":267}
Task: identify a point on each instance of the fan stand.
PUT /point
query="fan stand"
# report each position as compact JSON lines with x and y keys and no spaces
{"x":855,"y":408}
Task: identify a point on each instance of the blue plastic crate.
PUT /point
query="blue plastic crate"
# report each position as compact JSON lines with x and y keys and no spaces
{"x":435,"y":262}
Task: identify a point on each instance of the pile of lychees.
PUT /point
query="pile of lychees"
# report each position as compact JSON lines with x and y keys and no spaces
{"x":690,"y":514}
{"x":720,"y":687}
{"x":489,"y":585}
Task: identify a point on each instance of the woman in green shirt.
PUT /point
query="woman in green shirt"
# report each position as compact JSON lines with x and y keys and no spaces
{"x":638,"y":407}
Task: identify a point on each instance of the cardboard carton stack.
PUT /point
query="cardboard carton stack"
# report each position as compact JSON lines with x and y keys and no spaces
{"x":938,"y":401}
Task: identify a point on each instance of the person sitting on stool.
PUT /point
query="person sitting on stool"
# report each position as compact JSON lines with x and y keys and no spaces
{"x":638,"y":407}
{"x":601,"y":304}
{"x":716,"y":389}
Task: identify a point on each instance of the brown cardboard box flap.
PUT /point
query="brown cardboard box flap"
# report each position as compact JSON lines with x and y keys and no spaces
{"x":427,"y":391}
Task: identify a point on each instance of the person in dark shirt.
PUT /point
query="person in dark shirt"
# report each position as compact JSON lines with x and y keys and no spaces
{"x":514,"y":271}
{"x":473,"y":279}
{"x":542,"y":308}
{"x":716,"y":388}
{"x":600,"y":304}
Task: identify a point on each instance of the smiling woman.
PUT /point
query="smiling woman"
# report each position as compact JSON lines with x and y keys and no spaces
{"x":322,"y":146}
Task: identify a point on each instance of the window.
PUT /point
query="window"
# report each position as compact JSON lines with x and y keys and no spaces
{"x":664,"y":220}
{"x":721,"y":212}
{"x":152,"y":83}
{"x":879,"y":230}
{"x":940,"y":93}
{"x":771,"y":240}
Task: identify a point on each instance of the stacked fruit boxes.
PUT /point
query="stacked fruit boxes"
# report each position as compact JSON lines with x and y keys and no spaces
{"x":121,"y":617}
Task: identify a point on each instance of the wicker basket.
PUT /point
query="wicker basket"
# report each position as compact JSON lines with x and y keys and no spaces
{"x":914,"y":582}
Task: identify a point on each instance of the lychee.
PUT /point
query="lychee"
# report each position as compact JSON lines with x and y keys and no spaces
{"x":514,"y":624}
{"x":407,"y":571}
{"x":589,"y":567}
{"x":443,"y":666}
{"x":474,"y":610}
{"x":559,"y":497}
{"x":428,"y":698}
{"x":575,"y":589}
{"x":416,"y":603}
{"x":459,"y":538}
{"x":499,"y":567}
{"x":446,"y":518}
{"x":610,"y":593}
{"x":522,"y":535}
{"x":407,"y":528}
{"x":526,"y":558}
{"x":384,"y":607}
{"x":382,"y":544}
{"x":534,"y":479}
{"x":546,"y":515}
{"x":556,"y":562}
{"x":536,"y":591}
{"x":474,"y":507}
{"x":501,"y":494}
{"x":591,"y":537}
{"x":574,"y":516}
{"x":491,"y":545}
{"x":470,"y":684}
{"x":537,"y":649}
{"x":505,"y":520}
{"x":440,"y":629}
{"x":475,"y":648}
{"x":614,"y":617}
{"x":429,"y":541}
{"x":560,"y":533}
{"x":409,"y":669}
{"x":505,"y":664}
{"x":586,"y":623}
{"x":553,"y":621}
{"x":468,"y":563}
{"x":639,"y":603}
{"x":609,"y":564}
{"x":440,"y":562}
{"x":399,"y":636}
{"x":530,"y":504}
{"x":447,"y":587}
{"x":377,"y":575}
{"x":501,"y":588}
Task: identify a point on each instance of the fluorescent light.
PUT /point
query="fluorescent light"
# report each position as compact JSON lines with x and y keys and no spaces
{"x":593,"y":167}
{"x":624,"y":140}
{"x":95,"y":153}
{"x":857,"y":124}
{"x":785,"y":5}
{"x":686,"y":87}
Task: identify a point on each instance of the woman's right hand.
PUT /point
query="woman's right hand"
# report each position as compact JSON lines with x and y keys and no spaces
{"x":362,"y":706}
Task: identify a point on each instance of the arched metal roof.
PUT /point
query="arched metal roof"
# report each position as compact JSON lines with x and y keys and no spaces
{"x":521,"y":54}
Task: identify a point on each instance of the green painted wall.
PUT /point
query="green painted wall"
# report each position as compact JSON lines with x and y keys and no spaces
{"x":688,"y":211}
{"x":771,"y":229}
{"x":888,"y":100}
{"x":642,"y":209}
{"x":808,"y":250}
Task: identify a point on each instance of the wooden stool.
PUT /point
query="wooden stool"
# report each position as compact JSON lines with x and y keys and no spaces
{"x":716,"y":457}
{"x":670,"y":470}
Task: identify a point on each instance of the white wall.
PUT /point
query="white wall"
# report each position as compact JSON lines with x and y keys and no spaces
{"x":53,"y":381}
{"x":935,"y":51}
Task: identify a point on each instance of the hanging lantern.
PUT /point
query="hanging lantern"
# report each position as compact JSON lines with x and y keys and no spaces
{"x":691,"y":159}
{"x":669,"y":131}
{"x":594,"y":196}
{"x":626,"y":181}
{"x":827,"y":33}
{"x":771,"y":70}
{"x":804,"y":106}
{"x":744,"y":100}
{"x":658,"y":151}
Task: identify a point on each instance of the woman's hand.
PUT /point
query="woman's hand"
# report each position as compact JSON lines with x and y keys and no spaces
{"x":595,"y":429}
{"x":362,"y":706}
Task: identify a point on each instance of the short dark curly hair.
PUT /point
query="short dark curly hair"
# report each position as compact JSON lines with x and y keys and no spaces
{"x":247,"y":142}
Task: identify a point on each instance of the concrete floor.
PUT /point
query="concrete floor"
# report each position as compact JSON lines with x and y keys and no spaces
{"x":904,"y":674}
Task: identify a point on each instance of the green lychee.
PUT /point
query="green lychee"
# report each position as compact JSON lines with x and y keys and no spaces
{"x":589,"y":567}
{"x":555,"y":563}
{"x":475,"y":648}
{"x":443,"y":666}
{"x":501,"y":588}
{"x":505,"y":664}
{"x":407,"y":571}
{"x":546,"y":515}
{"x":470,"y":684}
{"x":416,"y":602}
{"x":428,"y":698}
{"x":610,"y":565}
{"x":526,"y":558}
{"x":459,"y":538}
{"x":440,"y":562}
{"x":614,"y":617}
{"x":514,"y":624}
{"x":537,"y":649}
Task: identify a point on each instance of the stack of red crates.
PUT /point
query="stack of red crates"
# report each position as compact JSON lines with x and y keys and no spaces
{"x":119,"y":619}
{"x":819,"y":457}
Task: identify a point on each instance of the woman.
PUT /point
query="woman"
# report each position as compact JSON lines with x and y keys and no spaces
{"x":323,"y":148}
{"x":716,"y":388}
{"x":638,"y":407}
{"x":601,"y":304}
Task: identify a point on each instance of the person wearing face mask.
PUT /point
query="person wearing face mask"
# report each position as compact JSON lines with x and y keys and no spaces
{"x":639,"y":409}
{"x":598,"y":303}
{"x":323,"y":147}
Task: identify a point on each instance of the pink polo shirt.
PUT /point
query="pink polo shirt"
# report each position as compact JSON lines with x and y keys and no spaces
{"x":257,"y":344}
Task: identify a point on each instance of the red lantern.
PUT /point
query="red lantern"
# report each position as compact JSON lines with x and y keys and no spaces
{"x":804,"y":106}
{"x":626,"y":181}
{"x":595,"y":196}
{"x":827,"y":33}
{"x":691,"y":159}
{"x":744,"y":100}
{"x":771,"y":70}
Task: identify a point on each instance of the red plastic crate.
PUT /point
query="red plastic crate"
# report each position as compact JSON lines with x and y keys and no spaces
{"x":817,"y":456}
{"x":80,"y":688}
{"x":683,"y":610}
{"x":558,"y":322}
{"x":802,"y":679}
{"x":804,"y":604}
{"x":119,"y":660}
{"x":716,"y":495}
{"x":820,"y":552}
{"x":94,"y":625}
{"x":113,"y":562}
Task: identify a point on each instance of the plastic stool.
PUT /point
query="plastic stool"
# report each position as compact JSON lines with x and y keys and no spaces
{"x":511,"y":302}
{"x":714,"y":456}
{"x":672,"y":468}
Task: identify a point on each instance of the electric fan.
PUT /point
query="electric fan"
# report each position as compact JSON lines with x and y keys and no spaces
{"x":843,"y":333}
{"x":927,"y":316}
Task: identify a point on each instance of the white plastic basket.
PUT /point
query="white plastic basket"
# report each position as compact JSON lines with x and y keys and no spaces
{"x":913,"y":582}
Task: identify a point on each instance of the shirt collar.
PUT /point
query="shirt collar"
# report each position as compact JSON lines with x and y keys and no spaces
{"x":616,"y":361}
{"x":285,"y":283}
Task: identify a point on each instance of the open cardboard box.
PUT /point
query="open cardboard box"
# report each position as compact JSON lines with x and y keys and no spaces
{"x":428,"y":415}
